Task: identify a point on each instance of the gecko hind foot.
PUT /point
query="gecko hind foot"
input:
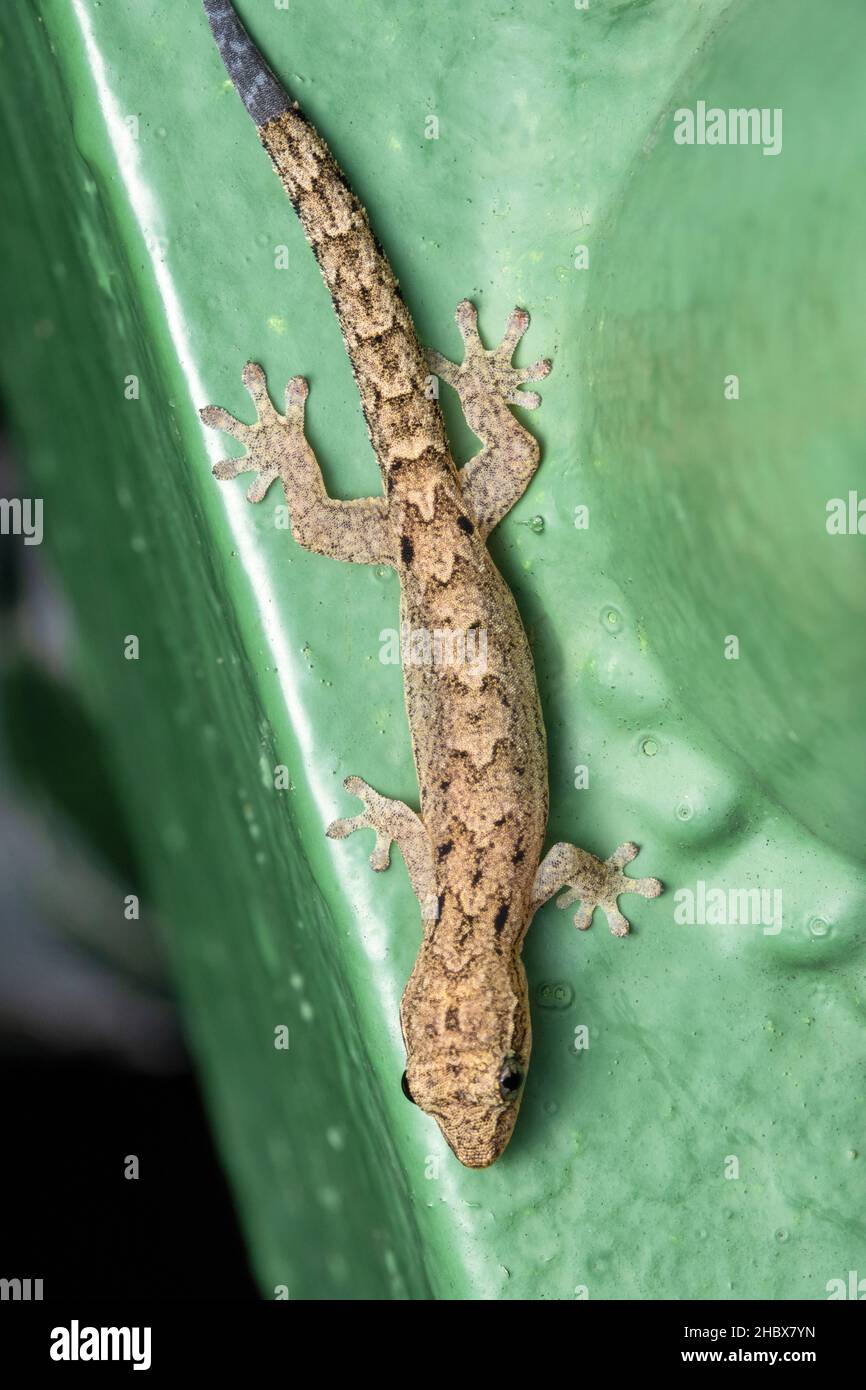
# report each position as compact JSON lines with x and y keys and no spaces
{"x":593,"y":883}
{"x":271,"y":441}
{"x":486,"y":373}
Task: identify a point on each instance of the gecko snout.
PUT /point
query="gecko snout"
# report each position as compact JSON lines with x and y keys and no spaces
{"x":477,"y":1131}
{"x":479,"y":1139}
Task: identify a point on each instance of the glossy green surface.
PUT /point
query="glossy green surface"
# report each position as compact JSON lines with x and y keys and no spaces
{"x":155,"y":256}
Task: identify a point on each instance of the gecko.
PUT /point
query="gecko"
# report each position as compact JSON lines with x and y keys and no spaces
{"x":475,"y":852}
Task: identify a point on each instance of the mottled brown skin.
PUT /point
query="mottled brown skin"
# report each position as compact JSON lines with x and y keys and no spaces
{"x":474,"y":854}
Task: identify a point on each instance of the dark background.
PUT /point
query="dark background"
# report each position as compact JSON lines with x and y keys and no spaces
{"x":93,"y":1065}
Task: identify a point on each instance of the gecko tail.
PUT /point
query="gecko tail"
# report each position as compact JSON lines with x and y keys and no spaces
{"x":264,"y":97}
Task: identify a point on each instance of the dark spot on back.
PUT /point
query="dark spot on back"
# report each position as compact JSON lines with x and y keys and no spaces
{"x":407,"y":550}
{"x":445,"y":849}
{"x":465,"y":525}
{"x":501,"y":918}
{"x":452,"y":1020}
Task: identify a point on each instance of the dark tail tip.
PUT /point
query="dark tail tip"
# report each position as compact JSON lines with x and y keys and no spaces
{"x":258,"y":89}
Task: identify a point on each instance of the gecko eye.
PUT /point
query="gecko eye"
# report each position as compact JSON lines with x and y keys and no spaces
{"x":404,"y":1086}
{"x":510,"y":1080}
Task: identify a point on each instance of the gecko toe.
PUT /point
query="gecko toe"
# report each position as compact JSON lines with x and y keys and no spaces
{"x":622,"y":855}
{"x":253,"y":377}
{"x":466,"y":318}
{"x":345,"y":825}
{"x":583,"y":917}
{"x":256,"y":382}
{"x":297,"y":391}
{"x":648,"y":887}
{"x":227,"y":469}
{"x":380,"y":859}
{"x":619,"y":925}
{"x":258,"y":489}
{"x":529,"y":400}
{"x":537,"y":372}
{"x":518,"y":322}
{"x":218,"y":419}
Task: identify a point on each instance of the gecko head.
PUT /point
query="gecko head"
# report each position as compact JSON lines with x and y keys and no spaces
{"x":467,"y":1054}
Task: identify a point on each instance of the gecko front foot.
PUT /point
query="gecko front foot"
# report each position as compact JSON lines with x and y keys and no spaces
{"x":394,"y":823}
{"x":272,"y":441}
{"x":592,"y":882}
{"x":485,"y":375}
{"x":358,"y":531}
{"x":376,"y":815}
